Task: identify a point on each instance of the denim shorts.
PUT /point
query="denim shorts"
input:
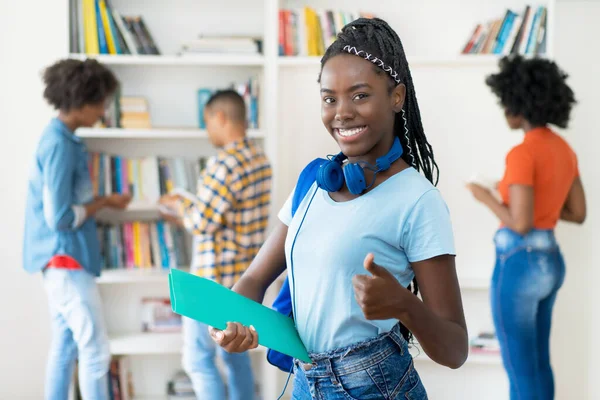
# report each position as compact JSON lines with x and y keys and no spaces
{"x":379,"y":368}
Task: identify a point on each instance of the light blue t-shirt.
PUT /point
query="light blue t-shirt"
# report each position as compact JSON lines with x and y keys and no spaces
{"x":404,"y":219}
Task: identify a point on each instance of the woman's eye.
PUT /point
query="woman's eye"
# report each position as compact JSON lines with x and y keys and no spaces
{"x":329,"y":100}
{"x":361,"y":96}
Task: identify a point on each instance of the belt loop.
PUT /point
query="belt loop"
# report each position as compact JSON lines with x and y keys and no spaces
{"x":330,"y":372}
{"x":397,"y":337}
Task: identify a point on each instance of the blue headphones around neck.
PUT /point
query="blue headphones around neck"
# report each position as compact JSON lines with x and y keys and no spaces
{"x":331,"y":175}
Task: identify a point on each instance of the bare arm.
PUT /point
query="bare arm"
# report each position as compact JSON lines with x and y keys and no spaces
{"x":574,"y":209}
{"x":438,"y":322}
{"x":268,"y":264}
{"x":519,"y":216}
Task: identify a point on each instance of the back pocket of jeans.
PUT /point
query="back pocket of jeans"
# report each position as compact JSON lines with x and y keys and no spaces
{"x":362,"y":385}
{"x":417,"y":392}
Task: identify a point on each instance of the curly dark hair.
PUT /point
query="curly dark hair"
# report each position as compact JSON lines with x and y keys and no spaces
{"x":535,"y":89}
{"x":72,"y":84}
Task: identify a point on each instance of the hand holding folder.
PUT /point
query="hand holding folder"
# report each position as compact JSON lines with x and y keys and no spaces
{"x":215,"y":305}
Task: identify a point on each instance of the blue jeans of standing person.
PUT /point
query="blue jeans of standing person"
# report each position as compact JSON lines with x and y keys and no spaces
{"x":78,"y":332}
{"x":380,"y":368}
{"x":529,"y":271}
{"x":199,"y":351}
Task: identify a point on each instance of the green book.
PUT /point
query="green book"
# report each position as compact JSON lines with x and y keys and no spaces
{"x":215,"y":305}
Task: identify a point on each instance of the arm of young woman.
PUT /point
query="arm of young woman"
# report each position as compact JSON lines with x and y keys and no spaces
{"x":268,"y":264}
{"x":519,"y":215}
{"x":437,"y":322}
{"x":574,"y":209}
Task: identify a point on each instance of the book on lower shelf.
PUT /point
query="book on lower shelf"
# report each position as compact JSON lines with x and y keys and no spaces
{"x":158,"y":315}
{"x":142,"y":244}
{"x":515,"y":33}
{"x":485,"y":343}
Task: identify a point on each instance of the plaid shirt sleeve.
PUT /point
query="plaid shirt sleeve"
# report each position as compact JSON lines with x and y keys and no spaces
{"x":215,"y":197}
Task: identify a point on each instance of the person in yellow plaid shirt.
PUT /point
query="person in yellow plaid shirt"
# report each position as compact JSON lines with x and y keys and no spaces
{"x":228,"y":219}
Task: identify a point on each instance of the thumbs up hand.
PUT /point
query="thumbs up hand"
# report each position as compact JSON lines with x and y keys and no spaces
{"x":379,"y":295}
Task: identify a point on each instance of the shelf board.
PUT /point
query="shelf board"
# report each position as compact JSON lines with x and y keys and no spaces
{"x":249,"y":60}
{"x":151,"y":343}
{"x":154,"y":133}
{"x":459,"y":60}
{"x":146,"y":343}
{"x":134,"y":275}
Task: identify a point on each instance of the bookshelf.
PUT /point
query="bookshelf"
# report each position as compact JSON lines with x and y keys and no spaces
{"x":449,"y":88}
{"x":135,"y":275}
{"x":155,"y":133}
{"x":215,"y":60}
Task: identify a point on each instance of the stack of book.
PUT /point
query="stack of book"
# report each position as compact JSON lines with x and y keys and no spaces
{"x":134,"y":113}
{"x":523,"y":33}
{"x":129,"y":112}
{"x":485,"y":342}
{"x":158,"y":316}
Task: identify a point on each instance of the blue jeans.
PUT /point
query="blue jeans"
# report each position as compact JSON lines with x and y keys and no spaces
{"x":380,"y":368}
{"x":78,"y":332}
{"x":529,"y":271}
{"x":199,"y":352}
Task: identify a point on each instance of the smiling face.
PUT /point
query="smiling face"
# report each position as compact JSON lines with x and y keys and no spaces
{"x":358,"y":106}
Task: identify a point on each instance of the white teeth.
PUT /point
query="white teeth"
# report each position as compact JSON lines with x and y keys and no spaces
{"x":350,"y":132}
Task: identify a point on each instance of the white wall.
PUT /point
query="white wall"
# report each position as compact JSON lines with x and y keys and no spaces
{"x":31,"y":35}
{"x":577,"y":322}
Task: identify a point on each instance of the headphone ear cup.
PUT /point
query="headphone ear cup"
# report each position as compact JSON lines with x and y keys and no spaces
{"x":330,"y":176}
{"x":355,"y":178}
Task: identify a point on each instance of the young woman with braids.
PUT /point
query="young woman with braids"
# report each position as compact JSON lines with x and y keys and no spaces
{"x":541,"y":185}
{"x":353,"y":253}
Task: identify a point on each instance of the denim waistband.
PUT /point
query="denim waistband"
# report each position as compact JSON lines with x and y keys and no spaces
{"x":357,"y":357}
{"x":507,"y":240}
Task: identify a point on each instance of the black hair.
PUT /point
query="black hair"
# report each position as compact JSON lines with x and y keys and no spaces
{"x":72,"y":84}
{"x":535,"y":89}
{"x":375,"y":37}
{"x":230,"y":102}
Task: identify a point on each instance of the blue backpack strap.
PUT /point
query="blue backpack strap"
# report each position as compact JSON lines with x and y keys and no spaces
{"x":283,"y":301}
{"x":305,"y":181}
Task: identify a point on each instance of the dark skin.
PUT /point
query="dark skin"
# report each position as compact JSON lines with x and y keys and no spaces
{"x":355,"y":95}
{"x":518,"y":216}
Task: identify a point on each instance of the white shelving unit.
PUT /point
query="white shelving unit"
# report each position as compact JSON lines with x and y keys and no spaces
{"x":450,"y":92}
{"x":152,"y":344}
{"x":154,"y":133}
{"x":135,"y":275}
{"x":151,"y":60}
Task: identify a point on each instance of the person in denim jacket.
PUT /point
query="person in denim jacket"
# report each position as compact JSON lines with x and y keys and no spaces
{"x":354,"y":251}
{"x":541,"y":185}
{"x":60,"y":231}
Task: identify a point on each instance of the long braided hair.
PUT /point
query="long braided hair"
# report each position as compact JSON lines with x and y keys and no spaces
{"x":374,"y":40}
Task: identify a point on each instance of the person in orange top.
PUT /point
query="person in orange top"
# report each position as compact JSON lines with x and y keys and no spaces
{"x":541,"y":185}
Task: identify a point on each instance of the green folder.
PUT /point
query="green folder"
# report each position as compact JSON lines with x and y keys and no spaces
{"x":215,"y":305}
